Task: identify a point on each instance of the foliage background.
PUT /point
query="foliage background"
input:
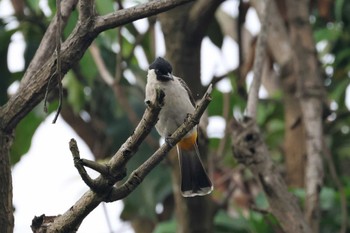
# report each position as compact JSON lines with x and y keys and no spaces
{"x":91,"y":104}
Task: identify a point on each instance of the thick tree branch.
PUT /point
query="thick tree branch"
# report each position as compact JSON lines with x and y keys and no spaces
{"x":70,"y":220}
{"x":125,"y":16}
{"x":33,"y":88}
{"x":46,"y":47}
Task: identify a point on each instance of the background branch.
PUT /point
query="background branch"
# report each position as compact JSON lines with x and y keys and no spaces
{"x":250,"y":149}
{"x":260,"y":54}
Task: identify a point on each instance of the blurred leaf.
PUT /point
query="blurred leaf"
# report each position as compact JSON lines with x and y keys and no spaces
{"x":154,"y":189}
{"x":223,"y":223}
{"x":6,"y":79}
{"x":32,"y":34}
{"x":327,"y":34}
{"x":75,"y":90}
{"x":24,"y":133}
{"x":215,"y":34}
{"x":166,"y":227}
{"x":72,"y":21}
{"x":34,"y":5}
{"x":88,"y":68}
{"x":328,"y":196}
{"x":105,"y":7}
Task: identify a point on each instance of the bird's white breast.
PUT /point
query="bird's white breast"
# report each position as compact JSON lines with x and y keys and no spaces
{"x":177,"y":103}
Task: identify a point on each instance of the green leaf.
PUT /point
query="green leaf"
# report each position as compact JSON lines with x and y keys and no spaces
{"x":6,"y":79}
{"x":105,"y":7}
{"x":24,"y":133}
{"x":328,"y":198}
{"x":166,"y":227}
{"x":75,"y":89}
{"x":328,"y":34}
{"x":223,"y":223}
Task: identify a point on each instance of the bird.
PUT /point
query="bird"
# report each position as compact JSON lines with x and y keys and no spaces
{"x":178,"y":103}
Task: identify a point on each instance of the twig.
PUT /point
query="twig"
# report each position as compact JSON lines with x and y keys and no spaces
{"x":102,"y":169}
{"x":58,"y":53}
{"x":226,"y":114}
{"x":108,"y":220}
{"x":58,"y":65}
{"x":259,"y":210}
{"x":142,"y":171}
{"x":105,"y":74}
{"x":260,"y":52}
{"x":217,"y":79}
{"x":92,"y":184}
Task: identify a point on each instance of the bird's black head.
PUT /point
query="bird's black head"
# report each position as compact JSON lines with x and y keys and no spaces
{"x":163,"y":69}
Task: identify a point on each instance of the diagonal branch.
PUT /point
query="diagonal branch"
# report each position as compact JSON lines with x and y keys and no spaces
{"x":142,"y":171}
{"x":73,"y":217}
{"x":125,"y":16}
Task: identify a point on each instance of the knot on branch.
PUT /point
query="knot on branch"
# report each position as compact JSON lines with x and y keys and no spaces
{"x":245,"y":141}
{"x":158,"y":101}
{"x":41,"y":223}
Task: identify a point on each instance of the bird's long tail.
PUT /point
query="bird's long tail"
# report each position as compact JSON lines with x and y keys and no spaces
{"x":194,"y":179}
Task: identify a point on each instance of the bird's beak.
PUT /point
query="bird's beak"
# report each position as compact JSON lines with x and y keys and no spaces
{"x":168,"y":76}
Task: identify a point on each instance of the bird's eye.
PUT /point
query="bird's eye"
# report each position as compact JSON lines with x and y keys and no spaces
{"x":157,"y":71}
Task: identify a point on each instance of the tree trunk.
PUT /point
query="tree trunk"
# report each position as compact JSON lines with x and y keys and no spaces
{"x":6,"y":208}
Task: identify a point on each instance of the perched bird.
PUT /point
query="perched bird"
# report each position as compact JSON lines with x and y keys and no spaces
{"x":178,"y":103}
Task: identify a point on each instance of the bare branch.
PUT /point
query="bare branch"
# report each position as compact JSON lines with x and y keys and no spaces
{"x":46,"y":47}
{"x":260,"y":52}
{"x":82,"y":172}
{"x":142,"y":171}
{"x":105,"y":74}
{"x":72,"y":218}
{"x":128,"y":15}
{"x":32,"y":88}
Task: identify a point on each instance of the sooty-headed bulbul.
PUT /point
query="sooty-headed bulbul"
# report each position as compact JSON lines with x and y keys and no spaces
{"x":178,"y":103}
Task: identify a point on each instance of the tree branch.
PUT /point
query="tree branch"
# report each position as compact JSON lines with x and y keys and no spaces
{"x":33,"y":88}
{"x":250,"y":149}
{"x":260,"y":54}
{"x":70,"y":220}
{"x":142,"y":171}
{"x":82,"y":172}
{"x":125,"y":16}
{"x":73,"y":217}
{"x":46,"y":47}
